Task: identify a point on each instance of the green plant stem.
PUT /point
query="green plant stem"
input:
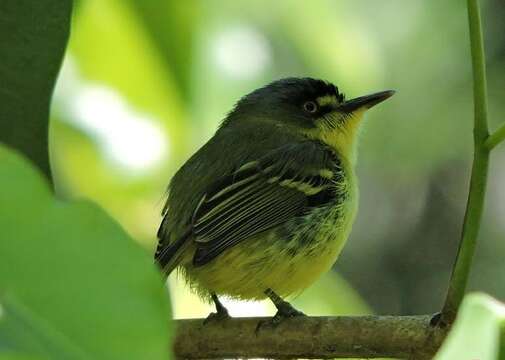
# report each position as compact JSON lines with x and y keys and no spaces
{"x":475,"y":203}
{"x":497,"y":137}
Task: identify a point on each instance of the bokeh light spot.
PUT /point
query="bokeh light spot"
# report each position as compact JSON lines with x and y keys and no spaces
{"x":130,"y":139}
{"x":241,"y":52}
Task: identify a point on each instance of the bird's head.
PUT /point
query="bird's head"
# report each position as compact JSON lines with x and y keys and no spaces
{"x":313,"y":108}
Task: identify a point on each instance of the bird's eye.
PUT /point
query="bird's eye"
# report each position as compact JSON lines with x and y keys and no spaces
{"x":310,"y":107}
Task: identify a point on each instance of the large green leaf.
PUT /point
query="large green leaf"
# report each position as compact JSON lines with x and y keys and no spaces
{"x":72,"y":283}
{"x":478,"y":332}
{"x":23,"y":330}
{"x":17,"y":356}
{"x":33,"y":37}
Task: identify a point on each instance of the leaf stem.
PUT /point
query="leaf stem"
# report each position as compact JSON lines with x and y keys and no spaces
{"x":497,"y":137}
{"x":475,"y":203}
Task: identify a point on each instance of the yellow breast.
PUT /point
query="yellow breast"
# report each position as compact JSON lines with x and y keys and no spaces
{"x":286,"y":266}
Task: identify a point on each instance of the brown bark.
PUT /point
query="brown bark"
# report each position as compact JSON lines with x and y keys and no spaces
{"x":409,"y":337}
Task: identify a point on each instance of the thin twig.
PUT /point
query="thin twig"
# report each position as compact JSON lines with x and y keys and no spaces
{"x":310,"y":337}
{"x":497,"y":137}
{"x":475,"y":204}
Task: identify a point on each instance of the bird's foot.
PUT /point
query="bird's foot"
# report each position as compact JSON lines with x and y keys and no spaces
{"x":221,"y":313}
{"x":217,"y":316}
{"x":284,"y":311}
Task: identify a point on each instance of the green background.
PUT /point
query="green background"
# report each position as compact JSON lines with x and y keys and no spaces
{"x":144,"y":84}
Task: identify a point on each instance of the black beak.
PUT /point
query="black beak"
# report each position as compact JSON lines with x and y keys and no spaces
{"x":366,"y":101}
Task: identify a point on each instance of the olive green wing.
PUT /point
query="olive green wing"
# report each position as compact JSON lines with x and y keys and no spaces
{"x":261,"y":195}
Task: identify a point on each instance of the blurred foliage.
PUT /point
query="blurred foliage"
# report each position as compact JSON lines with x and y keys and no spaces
{"x":73,"y":284}
{"x":180,"y":67}
{"x":482,"y":316}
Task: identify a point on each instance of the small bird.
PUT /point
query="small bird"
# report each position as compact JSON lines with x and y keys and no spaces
{"x":266,"y":205}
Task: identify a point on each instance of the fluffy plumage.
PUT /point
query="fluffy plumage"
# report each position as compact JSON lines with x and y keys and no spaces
{"x":268,"y":202}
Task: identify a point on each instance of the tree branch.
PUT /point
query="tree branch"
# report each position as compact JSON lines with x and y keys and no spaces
{"x":475,"y":204}
{"x":310,"y":337}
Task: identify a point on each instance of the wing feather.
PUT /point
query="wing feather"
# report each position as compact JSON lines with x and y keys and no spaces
{"x":222,"y":224}
{"x":259,"y":196}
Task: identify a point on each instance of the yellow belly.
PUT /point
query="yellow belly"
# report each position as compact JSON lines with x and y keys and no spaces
{"x":266,"y":261}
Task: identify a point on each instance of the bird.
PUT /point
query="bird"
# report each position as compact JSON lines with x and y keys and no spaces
{"x":266,"y":205}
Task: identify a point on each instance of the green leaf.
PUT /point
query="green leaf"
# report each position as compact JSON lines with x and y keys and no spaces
{"x":17,"y":356}
{"x":33,"y":37}
{"x":72,"y":277}
{"x":477,"y":332}
{"x":19,"y":325}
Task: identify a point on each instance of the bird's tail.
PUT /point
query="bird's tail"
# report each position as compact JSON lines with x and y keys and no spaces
{"x":168,"y":256}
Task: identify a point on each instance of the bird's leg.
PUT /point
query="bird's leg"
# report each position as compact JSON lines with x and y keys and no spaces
{"x":221,"y":312}
{"x":284,"y":309}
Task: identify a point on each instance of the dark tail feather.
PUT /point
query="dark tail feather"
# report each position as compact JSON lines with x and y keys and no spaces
{"x":168,"y":256}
